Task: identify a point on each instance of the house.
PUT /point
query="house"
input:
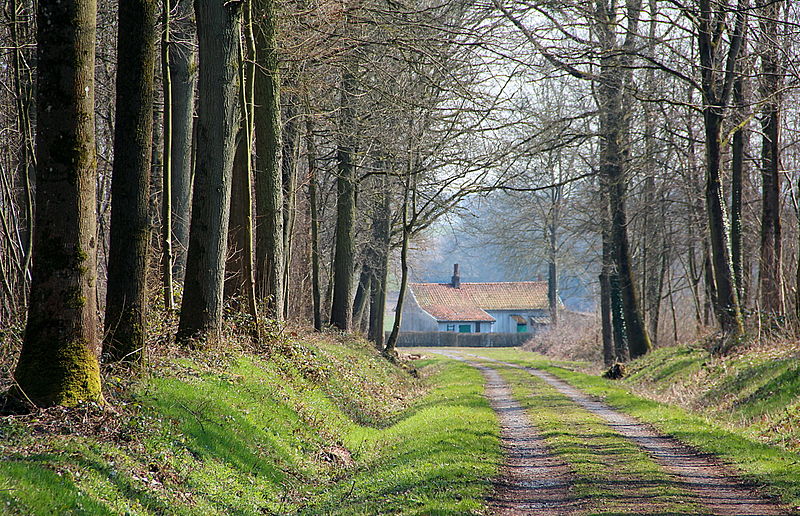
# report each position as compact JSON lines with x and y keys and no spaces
{"x":496,"y":307}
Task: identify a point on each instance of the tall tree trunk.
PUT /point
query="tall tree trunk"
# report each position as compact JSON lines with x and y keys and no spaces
{"x":167,"y":257}
{"x":726,"y":306}
{"x":313,"y":218}
{"x":239,"y":268}
{"x":126,"y":299}
{"x":269,"y":188}
{"x":770,"y":270}
{"x":552,"y":262}
{"x":342,"y":308}
{"x":58,"y":363}
{"x":391,"y":342}
{"x":738,"y":172}
{"x":616,"y":319}
{"x":183,"y":81}
{"x":291,"y":149}
{"x":715,"y":100}
{"x":381,"y":235}
{"x":363,"y":294}
{"x":605,"y":320}
{"x":218,"y":29}
{"x":614,"y":75}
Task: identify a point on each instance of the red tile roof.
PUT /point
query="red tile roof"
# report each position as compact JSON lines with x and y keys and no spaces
{"x":468,"y":303}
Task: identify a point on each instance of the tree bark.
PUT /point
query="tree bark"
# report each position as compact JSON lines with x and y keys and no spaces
{"x":291,"y":147}
{"x":771,"y":250}
{"x":361,"y":301}
{"x":167,"y":257}
{"x":391,"y":342}
{"x":614,"y":130}
{"x":716,"y":91}
{"x":58,"y":363}
{"x":342,"y":308}
{"x":183,"y":81}
{"x":239,"y":268}
{"x":606,"y":331}
{"x":269,"y":188}
{"x":381,"y":235}
{"x":313,"y":218}
{"x":218,"y":30}
{"x":126,"y":299}
{"x":738,"y":172}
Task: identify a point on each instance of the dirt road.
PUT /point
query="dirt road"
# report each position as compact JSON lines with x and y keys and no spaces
{"x":536,"y":481}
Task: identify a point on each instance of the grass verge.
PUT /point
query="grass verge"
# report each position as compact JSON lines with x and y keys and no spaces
{"x":318,"y":425}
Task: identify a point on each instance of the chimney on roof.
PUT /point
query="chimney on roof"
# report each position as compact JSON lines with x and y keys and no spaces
{"x":456,"y":281}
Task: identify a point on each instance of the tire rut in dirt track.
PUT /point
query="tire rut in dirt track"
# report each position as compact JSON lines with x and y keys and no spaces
{"x":716,"y":488}
{"x":532,"y":480}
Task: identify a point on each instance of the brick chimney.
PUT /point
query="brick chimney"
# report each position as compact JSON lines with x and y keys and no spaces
{"x":456,"y":280}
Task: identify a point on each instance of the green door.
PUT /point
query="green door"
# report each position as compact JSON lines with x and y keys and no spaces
{"x":464,"y":328}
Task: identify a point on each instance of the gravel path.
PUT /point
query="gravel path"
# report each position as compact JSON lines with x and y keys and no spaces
{"x":716,"y":488}
{"x":532,"y":480}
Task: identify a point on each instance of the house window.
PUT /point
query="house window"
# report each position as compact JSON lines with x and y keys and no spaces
{"x":522,"y":324}
{"x":451,"y":327}
{"x":477,"y":327}
{"x":464,"y":328}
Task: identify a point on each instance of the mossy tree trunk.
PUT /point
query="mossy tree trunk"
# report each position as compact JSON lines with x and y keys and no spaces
{"x":58,"y":363}
{"x":269,"y":182}
{"x":361,"y":301}
{"x":126,"y":300}
{"x":408,"y":193}
{"x":739,"y":170}
{"x":218,"y":31}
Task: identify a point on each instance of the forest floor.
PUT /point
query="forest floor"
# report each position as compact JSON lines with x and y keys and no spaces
{"x":322,"y":424}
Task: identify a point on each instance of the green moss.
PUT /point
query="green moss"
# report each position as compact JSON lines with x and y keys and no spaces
{"x":60,"y":375}
{"x":74,"y":299}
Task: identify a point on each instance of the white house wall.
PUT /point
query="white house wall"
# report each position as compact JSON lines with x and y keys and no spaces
{"x":505,"y":324}
{"x":414,"y":317}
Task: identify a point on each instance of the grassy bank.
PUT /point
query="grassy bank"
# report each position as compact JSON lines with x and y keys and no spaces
{"x":763,"y":463}
{"x":309,"y":426}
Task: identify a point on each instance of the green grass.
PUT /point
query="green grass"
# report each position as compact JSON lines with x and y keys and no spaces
{"x":321,"y":426}
{"x":611,"y":474}
{"x":776,"y":469}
